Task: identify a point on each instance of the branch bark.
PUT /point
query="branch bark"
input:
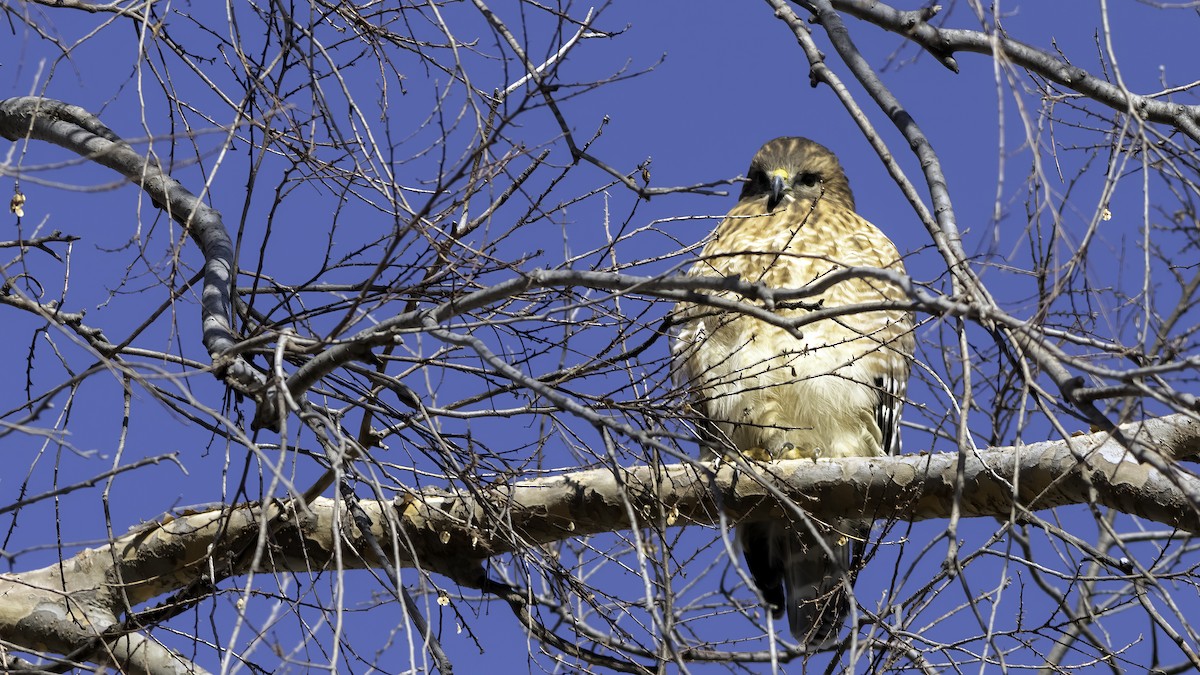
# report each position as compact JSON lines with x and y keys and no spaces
{"x":453,"y":532}
{"x":942,"y":43}
{"x":77,"y":130}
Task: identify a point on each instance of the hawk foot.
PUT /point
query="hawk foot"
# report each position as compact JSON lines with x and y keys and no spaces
{"x":785,"y":451}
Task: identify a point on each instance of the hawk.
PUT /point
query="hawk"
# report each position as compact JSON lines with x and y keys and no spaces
{"x":836,"y":391}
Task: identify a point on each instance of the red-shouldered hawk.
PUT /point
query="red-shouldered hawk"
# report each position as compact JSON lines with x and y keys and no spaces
{"x":836,"y":392}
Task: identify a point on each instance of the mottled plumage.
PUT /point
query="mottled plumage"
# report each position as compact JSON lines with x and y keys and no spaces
{"x":761,"y":392}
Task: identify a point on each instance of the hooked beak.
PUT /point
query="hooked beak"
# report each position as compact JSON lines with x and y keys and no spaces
{"x":778,"y":185}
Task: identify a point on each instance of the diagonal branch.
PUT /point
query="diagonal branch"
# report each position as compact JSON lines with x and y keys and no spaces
{"x":77,"y":130}
{"x":942,"y":43}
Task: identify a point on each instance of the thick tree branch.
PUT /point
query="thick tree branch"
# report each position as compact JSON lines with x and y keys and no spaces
{"x":451,"y":532}
{"x":77,"y":130}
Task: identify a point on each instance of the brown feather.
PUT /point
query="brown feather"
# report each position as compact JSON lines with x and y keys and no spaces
{"x":835,"y":392}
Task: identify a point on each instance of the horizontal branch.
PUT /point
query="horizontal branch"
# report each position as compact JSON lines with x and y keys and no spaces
{"x":1084,"y":469}
{"x":711,"y":291}
{"x":453,"y":532}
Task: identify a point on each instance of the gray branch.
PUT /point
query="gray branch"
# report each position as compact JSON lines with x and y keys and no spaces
{"x":454,"y":532}
{"x":942,"y":43}
{"x":77,"y":130}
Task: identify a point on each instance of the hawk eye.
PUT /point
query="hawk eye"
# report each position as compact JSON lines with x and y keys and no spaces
{"x":807,"y":179}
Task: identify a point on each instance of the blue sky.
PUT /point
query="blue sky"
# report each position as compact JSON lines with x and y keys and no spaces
{"x":720,"y":80}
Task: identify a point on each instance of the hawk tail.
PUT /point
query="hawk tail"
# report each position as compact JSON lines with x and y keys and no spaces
{"x":794,"y":574}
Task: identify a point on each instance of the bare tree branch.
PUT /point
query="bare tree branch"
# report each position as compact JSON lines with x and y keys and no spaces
{"x":943,"y":43}
{"x":434,"y":253}
{"x":447,"y":532}
{"x":69,"y":126}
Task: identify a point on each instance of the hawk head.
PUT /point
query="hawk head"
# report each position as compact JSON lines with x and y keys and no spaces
{"x":792,"y":168}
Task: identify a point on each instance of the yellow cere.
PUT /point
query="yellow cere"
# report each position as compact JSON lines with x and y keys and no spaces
{"x":781,"y":174}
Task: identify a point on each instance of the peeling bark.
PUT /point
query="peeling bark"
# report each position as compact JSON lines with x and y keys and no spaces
{"x":452,"y":533}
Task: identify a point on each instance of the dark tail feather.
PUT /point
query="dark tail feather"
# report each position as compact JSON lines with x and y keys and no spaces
{"x":792,"y":571}
{"x":817,"y":603}
{"x":761,"y":547}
